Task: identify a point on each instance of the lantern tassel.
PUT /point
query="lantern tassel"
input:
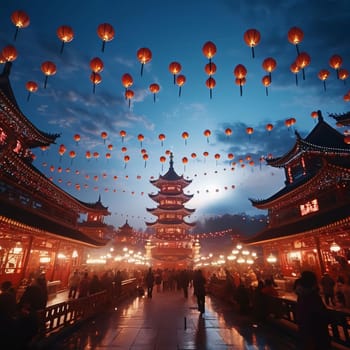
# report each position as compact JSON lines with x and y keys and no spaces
{"x":154,"y":98}
{"x":267,"y":91}
{"x":28,"y":97}
{"x":180,"y":90}
{"x":45,"y":82}
{"x":240,"y":89}
{"x":296,"y":79}
{"x":303,"y":73}
{"x":141,"y":69}
{"x":103,"y":45}
{"x":324,"y":85}
{"x":211,"y":93}
{"x":297,"y":47}
{"x":16,"y":32}
{"x":62,"y":47}
{"x":253,"y":53}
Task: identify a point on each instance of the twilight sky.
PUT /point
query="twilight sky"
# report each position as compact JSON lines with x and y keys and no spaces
{"x":174,"y":31}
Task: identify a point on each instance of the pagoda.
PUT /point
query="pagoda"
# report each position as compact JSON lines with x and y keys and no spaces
{"x":171,"y":245}
{"x":42,"y":227}
{"x":309,"y":218}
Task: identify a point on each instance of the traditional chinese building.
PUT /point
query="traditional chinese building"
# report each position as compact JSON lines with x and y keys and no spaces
{"x":125,"y":235}
{"x":171,"y":245}
{"x":309,"y":218}
{"x":41,"y":226}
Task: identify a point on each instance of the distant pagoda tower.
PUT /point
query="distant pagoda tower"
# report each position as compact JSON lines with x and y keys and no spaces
{"x":171,"y":246}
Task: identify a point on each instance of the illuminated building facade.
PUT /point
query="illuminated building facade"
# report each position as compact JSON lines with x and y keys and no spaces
{"x":309,"y":218}
{"x":42,"y":228}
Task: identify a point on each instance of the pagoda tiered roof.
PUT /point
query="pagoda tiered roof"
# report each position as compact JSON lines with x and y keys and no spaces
{"x":14,"y":119}
{"x":96,"y":206}
{"x":342,"y":119}
{"x":157,"y":197}
{"x":177,"y":210}
{"x":323,"y":140}
{"x":171,"y":176}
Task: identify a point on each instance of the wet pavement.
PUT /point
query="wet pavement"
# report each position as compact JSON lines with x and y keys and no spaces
{"x":169,"y":321}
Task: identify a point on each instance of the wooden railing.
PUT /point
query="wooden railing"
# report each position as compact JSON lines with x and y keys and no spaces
{"x":67,"y":314}
{"x":285,"y":310}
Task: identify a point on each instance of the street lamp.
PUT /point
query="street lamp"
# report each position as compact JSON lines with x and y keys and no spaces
{"x":334,"y":248}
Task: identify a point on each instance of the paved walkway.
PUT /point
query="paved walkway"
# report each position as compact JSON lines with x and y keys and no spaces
{"x":169,"y":321}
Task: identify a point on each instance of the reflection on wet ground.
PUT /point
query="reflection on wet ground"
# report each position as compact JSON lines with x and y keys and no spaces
{"x":169,"y":321}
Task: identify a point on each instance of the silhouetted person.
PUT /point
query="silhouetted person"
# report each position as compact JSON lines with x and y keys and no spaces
{"x":259,"y":303}
{"x":311,"y":315}
{"x":95,"y":285}
{"x":184,"y":280}
{"x":328,"y":285}
{"x":84,"y":286}
{"x":118,"y":284}
{"x":8,"y":309}
{"x":149,"y":282}
{"x":73,"y":283}
{"x":199,"y":289}
{"x":242,"y":298}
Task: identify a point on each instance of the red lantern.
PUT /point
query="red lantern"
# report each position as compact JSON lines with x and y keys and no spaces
{"x":207,"y":133}
{"x":323,"y":74}
{"x":21,"y":20}
{"x":48,"y":68}
{"x":210,"y":83}
{"x":175,"y":68}
{"x":209,"y":50}
{"x":126,"y":160}
{"x":140,"y":137}
{"x":31,"y":86}
{"x":347,"y":139}
{"x":88,"y":155}
{"x":217,"y":157}
{"x":335,"y":62}
{"x":269,"y":127}
{"x":154,"y":88}
{"x":162,"y":160}
{"x":343,"y":74}
{"x":269,"y":64}
{"x":129,"y":94}
{"x":314,"y":115}
{"x":180,"y":81}
{"x":124,"y":149}
{"x":122,"y":134}
{"x":144,"y":55}
{"x":76,"y":138}
{"x":65,"y":34}
{"x":9,"y":53}
{"x":184,"y":161}
{"x":161,"y":137}
{"x":95,"y":79}
{"x":106,"y":33}
{"x":249,"y":131}
{"x":294,"y":68}
{"x":145,"y":158}
{"x":185,"y":135}
{"x":295,"y":37}
{"x":127,"y":80}
{"x":240,"y":73}
{"x":104,"y":136}
{"x":302,"y":61}
{"x":252,"y":38}
{"x":96,"y":65}
{"x":228,"y":132}
{"x":210,"y":68}
{"x":266,"y":80}
{"x":193,"y":155}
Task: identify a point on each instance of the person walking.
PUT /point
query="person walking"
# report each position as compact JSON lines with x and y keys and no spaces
{"x":311,"y":315}
{"x":184,"y":280}
{"x":74,"y":281}
{"x":149,"y":282}
{"x":199,"y":282}
{"x":328,"y":286}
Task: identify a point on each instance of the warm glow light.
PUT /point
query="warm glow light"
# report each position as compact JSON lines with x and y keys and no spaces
{"x":334,"y":248}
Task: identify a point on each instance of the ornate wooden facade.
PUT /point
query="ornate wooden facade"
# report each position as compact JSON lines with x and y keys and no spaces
{"x":41,"y":226}
{"x":171,"y":245}
{"x":311,"y":213}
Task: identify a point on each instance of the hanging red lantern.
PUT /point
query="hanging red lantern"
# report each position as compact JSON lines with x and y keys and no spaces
{"x":240,"y":73}
{"x":126,"y":160}
{"x":88,"y":155}
{"x":252,"y":38}
{"x":144,"y":55}
{"x":48,"y":68}
{"x":31,"y":86}
{"x":129,"y":94}
{"x":323,"y":75}
{"x":249,"y":131}
{"x":269,"y":65}
{"x":184,"y":161}
{"x":145,"y":158}
{"x":180,"y":81}
{"x":228,"y":132}
{"x":154,"y":88}
{"x":162,"y":159}
{"x":343,"y":74}
{"x":105,"y":31}
{"x":124,"y":149}
{"x":9,"y":53}
{"x":76,"y":138}
{"x":294,"y":68}
{"x":314,"y":115}
{"x":347,"y":139}
{"x":193,"y":155}
{"x":295,"y":37}
{"x":96,"y":155}
{"x":303,"y":60}
{"x":185,"y":135}
{"x":335,"y":62}
{"x":96,"y":79}
{"x":175,"y":69}
{"x":127,"y":80}
{"x":266,"y":81}
{"x":205,"y":154}
{"x":21,"y":20}
{"x":210,"y":83}
{"x":209,"y":50}
{"x":122,"y":134}
{"x":207,"y":134}
{"x":161,"y":137}
{"x":140,"y":137}
{"x":269,"y":127}
{"x":210,"y":68}
{"x":230,"y":156}
{"x":96,"y":65}
{"x":217,"y":157}
{"x":104,"y":136}
{"x":65,"y":34}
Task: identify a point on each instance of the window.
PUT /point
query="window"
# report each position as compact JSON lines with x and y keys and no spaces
{"x":309,"y":207}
